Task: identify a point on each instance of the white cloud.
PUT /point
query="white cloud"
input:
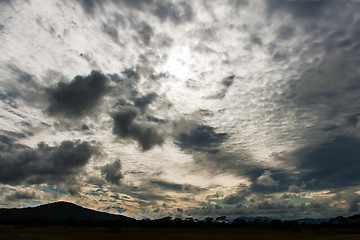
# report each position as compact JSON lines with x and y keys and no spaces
{"x":290,"y":88}
{"x":266,"y":180}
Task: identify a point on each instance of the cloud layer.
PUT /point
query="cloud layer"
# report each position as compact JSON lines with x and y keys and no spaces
{"x":178,"y":108}
{"x":78,"y":97}
{"x":44,"y":164}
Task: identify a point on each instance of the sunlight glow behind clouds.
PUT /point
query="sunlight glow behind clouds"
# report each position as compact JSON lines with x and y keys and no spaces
{"x":240,"y":94}
{"x":180,"y":63}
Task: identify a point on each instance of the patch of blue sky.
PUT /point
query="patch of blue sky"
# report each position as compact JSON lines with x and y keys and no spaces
{"x":32,"y":203}
{"x":54,"y":189}
{"x":299,"y":200}
{"x":212,"y":202}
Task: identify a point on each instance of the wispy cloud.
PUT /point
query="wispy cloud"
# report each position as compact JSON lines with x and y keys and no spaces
{"x":254,"y":102}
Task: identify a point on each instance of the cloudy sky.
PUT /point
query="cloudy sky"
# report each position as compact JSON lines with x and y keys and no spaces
{"x":154,"y":108}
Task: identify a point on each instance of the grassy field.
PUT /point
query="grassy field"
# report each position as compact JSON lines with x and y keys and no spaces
{"x":61,"y":233}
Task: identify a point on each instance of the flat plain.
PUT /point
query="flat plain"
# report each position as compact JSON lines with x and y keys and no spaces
{"x":85,"y":233}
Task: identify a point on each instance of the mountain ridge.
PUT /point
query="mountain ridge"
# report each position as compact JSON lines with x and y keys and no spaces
{"x":66,"y":211}
{"x":59,"y":211}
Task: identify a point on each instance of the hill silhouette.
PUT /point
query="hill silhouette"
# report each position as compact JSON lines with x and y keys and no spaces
{"x":59,"y":211}
{"x":69,"y":214}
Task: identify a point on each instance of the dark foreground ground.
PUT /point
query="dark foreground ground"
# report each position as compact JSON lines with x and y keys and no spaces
{"x":79,"y":233}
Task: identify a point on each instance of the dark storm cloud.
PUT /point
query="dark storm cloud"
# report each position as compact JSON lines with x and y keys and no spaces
{"x":21,"y":195}
{"x":256,"y":40}
{"x":238,"y":3}
{"x":202,"y":138}
{"x":167,"y":185}
{"x":12,"y":135}
{"x":123,"y":121}
{"x":226,"y":84}
{"x":262,"y":179}
{"x":286,"y":32}
{"x":266,"y":179}
{"x":159,"y":76}
{"x":270,"y":180}
{"x":332,"y":80}
{"x":12,"y":2}
{"x":352,"y":199}
{"x":280,"y":56}
{"x":90,"y":6}
{"x":145,"y":193}
{"x":74,"y":191}
{"x":327,"y":91}
{"x":79,"y":97}
{"x":164,"y":10}
{"x":125,"y":126}
{"x":228,"y":81}
{"x":327,"y":88}
{"x":8,"y":100}
{"x":130,"y":120}
{"x":332,"y":30}
{"x":137,"y":4}
{"x":143,"y":102}
{"x":6,"y":142}
{"x":145,"y":32}
{"x":279,"y":209}
{"x":84,"y":127}
{"x":301,"y":9}
{"x":44,"y":164}
{"x":333,"y":77}
{"x":131,"y":74}
{"x":236,"y":198}
{"x":111,"y":31}
{"x":3,"y":146}
{"x":155,"y":119}
{"x":126,"y":84}
{"x":277,"y":52}
{"x":115,"y":77}
{"x":188,"y":188}
{"x":26,"y":88}
{"x":149,"y":196}
{"x":5,"y":1}
{"x":333,"y":164}
{"x":121,"y":102}
{"x":112,"y":172}
{"x":176,"y":13}
{"x":118,"y":209}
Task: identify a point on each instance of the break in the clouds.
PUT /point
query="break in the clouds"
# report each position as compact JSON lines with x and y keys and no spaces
{"x":181,"y":108}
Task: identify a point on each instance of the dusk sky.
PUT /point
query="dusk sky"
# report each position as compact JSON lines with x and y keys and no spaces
{"x":154,"y":108}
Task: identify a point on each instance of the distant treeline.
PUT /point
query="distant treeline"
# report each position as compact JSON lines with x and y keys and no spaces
{"x":352,"y":222}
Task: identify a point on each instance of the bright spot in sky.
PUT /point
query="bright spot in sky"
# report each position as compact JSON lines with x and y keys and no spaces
{"x":179,"y":63}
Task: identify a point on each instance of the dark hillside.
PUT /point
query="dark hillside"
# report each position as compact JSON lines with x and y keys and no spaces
{"x":59,"y":211}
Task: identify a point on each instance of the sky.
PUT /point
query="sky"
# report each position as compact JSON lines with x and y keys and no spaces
{"x":152,"y":108}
